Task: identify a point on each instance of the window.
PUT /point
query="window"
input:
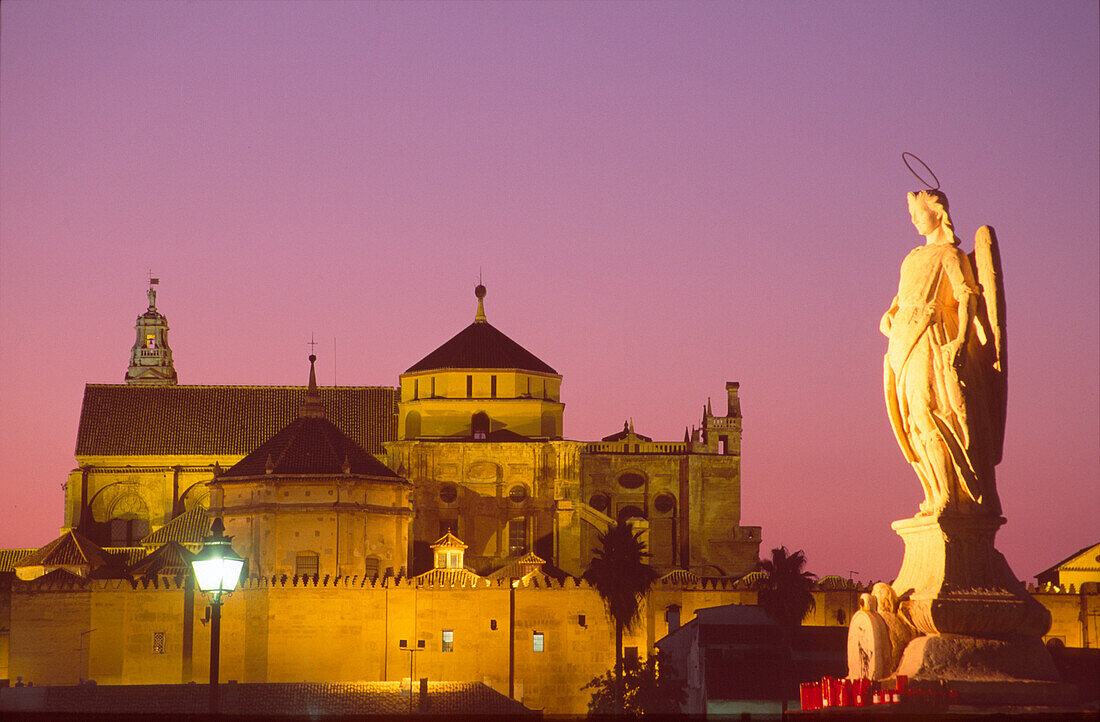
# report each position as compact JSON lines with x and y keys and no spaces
{"x":479,"y":425}
{"x":150,"y":341}
{"x":630,"y":657}
{"x":447,"y":494}
{"x":158,"y":642}
{"x":672,"y":617}
{"x":582,"y":621}
{"x":433,"y":387}
{"x":631,"y":480}
{"x":448,"y":640}
{"x":664,"y":503}
{"x":307,"y":563}
{"x":370,"y":566}
{"x":416,"y":389}
{"x":630,"y":511}
{"x":492,"y":624}
{"x":723,"y":444}
{"x":599,"y":502}
{"x":469,"y":387}
{"x":537,"y":642}
{"x":493,"y":386}
{"x":517,"y":494}
{"x":517,"y":536}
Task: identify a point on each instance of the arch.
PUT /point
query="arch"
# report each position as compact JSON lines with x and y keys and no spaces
{"x":198,"y":494}
{"x":128,"y":520}
{"x":412,"y":425}
{"x":629,"y":511}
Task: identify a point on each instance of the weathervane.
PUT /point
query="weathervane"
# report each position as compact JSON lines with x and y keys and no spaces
{"x":927,"y":185}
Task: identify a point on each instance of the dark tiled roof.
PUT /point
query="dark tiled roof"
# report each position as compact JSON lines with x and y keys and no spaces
{"x":68,"y":550}
{"x":309,"y":446}
{"x":127,"y":555}
{"x":191,"y":527}
{"x":117,"y":419}
{"x":172,"y":558}
{"x":626,"y":433}
{"x":272,"y":700}
{"x":8,"y":558}
{"x":481,"y":346}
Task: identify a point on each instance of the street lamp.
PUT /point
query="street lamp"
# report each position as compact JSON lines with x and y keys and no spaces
{"x":217,"y":570}
{"x":404,"y":644}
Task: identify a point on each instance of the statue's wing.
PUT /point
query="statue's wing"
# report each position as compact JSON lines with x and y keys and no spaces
{"x":987,"y":265}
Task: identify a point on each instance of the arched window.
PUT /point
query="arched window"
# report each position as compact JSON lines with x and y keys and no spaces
{"x":479,"y":425}
{"x":129,"y":522}
{"x":665,"y":504}
{"x":599,"y":502}
{"x":412,"y":425}
{"x":370,"y":566}
{"x":630,"y":511}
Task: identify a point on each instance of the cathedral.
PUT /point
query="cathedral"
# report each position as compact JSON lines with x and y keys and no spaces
{"x":362,"y":480}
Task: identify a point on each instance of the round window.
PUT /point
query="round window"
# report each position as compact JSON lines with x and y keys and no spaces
{"x":664,"y":503}
{"x":630,"y":480}
{"x":448,"y":493}
{"x":517,"y":493}
{"x":599,"y":502}
{"x":630,"y":512}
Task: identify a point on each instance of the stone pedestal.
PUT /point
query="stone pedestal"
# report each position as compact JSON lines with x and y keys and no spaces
{"x":953,"y":580}
{"x":981,"y":631}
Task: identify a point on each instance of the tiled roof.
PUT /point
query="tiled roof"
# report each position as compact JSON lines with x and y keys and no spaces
{"x":309,"y":445}
{"x":272,"y":700}
{"x":449,"y":541}
{"x":117,"y":419}
{"x":481,"y":346}
{"x":68,"y":550}
{"x":8,"y":558}
{"x":451,"y":578}
{"x":172,"y":558}
{"x":128,"y":555}
{"x":191,"y":527}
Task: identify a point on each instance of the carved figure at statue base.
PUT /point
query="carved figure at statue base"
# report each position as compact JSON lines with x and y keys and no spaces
{"x":956,"y":613}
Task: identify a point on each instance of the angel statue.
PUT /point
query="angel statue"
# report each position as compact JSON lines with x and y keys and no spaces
{"x":944,"y":371}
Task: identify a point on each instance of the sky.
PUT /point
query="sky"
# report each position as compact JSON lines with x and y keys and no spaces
{"x":660,"y":197}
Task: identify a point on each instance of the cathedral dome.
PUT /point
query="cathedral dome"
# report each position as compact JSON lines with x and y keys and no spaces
{"x":481,"y":346}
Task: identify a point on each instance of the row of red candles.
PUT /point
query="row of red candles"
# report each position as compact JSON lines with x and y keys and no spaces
{"x":831,"y":692}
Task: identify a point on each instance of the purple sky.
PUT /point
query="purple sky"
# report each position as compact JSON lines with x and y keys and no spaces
{"x":661,"y":196}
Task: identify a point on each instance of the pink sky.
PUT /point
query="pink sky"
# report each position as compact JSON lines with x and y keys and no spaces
{"x":661,"y":197}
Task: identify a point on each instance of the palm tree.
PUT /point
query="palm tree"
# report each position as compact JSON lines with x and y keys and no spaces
{"x":621,"y":577}
{"x":785,"y":589}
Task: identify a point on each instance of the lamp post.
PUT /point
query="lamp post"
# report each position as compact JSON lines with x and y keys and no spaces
{"x":217,"y":570}
{"x":404,"y":644}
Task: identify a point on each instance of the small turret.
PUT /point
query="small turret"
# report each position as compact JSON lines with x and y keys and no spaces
{"x":150,"y":357}
{"x":312,"y":406}
{"x":480,"y":292}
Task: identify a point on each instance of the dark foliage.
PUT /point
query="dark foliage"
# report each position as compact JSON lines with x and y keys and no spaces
{"x":785,"y":590}
{"x":646,"y":690}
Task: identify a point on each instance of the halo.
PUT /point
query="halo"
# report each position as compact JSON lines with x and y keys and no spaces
{"x":928,"y":185}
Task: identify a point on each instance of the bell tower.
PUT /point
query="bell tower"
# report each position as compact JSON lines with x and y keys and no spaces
{"x":150,"y":358}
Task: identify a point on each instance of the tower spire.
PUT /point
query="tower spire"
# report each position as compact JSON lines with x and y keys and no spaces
{"x":150,"y":356}
{"x":312,"y":407}
{"x":480,"y":293}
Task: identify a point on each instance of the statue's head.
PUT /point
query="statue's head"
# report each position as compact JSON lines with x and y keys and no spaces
{"x":887,"y":598}
{"x":928,"y":209}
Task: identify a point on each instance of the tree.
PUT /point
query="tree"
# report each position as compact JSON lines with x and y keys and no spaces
{"x":621,"y":577}
{"x":785,"y":589}
{"x":646,"y":690}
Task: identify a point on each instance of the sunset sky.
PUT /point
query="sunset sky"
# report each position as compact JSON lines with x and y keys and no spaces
{"x":660,"y":197}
